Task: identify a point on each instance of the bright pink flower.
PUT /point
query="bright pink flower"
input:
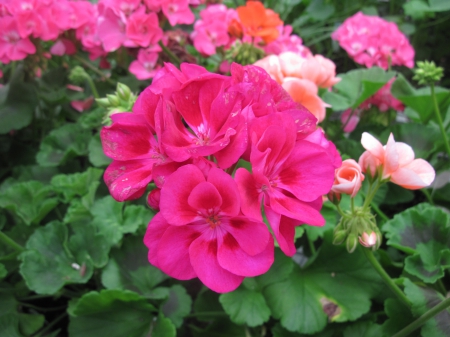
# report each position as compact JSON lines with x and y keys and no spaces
{"x":371,"y":41}
{"x":145,"y":65}
{"x":397,"y":162}
{"x":348,"y":178}
{"x":63,"y":47}
{"x":111,"y":30}
{"x":12,"y":46}
{"x":143,"y":29}
{"x":83,"y":105}
{"x":153,"y":199}
{"x":289,"y":176}
{"x":286,"y":42}
{"x":384,"y":100}
{"x":200,"y":232}
{"x":177,"y":12}
{"x":350,"y":119}
{"x":122,"y":7}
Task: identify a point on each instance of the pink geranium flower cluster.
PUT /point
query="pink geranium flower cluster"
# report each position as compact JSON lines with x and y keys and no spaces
{"x":217,"y":28}
{"x":188,"y":132}
{"x":372,"y":41}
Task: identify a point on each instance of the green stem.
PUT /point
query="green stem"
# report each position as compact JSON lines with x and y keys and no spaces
{"x":427,"y":195}
{"x":339,"y":209}
{"x":169,"y":53}
{"x":386,"y":278}
{"x":371,"y":194}
{"x":93,"y":88}
{"x":9,"y":257}
{"x":93,"y":68}
{"x":441,"y":287}
{"x":42,"y":309}
{"x":311,"y":244}
{"x":352,"y":203}
{"x":439,"y":119}
{"x":379,"y":212}
{"x":423,"y":319}
{"x":10,"y":242}
{"x":51,"y":325}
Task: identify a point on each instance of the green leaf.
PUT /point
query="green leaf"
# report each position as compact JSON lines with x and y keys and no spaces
{"x":419,"y":100}
{"x":337,"y":286}
{"x":245,"y":306}
{"x":113,"y":220}
{"x":279,"y":271}
{"x":9,"y":326}
{"x":397,"y":195}
{"x":320,"y":10}
{"x":330,"y":214}
{"x":399,"y":317}
{"x":439,"y":5}
{"x":29,"y":324}
{"x":29,"y":200}
{"x":163,"y":327}
{"x":112,"y":313}
{"x":220,"y":328}
{"x":128,"y":268}
{"x":279,"y":331}
{"x":18,"y":101}
{"x":424,"y":232}
{"x":207,"y":301}
{"x":48,"y":263}
{"x":178,"y":305}
{"x":62,"y":144}
{"x":417,"y":9}
{"x":3,"y":271}
{"x":423,"y":299}
{"x":77,"y":184}
{"x":96,"y":155}
{"x":366,"y":329}
{"x":358,"y":85}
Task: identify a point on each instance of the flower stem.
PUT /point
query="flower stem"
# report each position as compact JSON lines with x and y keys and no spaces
{"x":10,"y":242}
{"x":386,"y":278}
{"x":93,"y":68}
{"x":169,"y":53}
{"x":427,"y":195}
{"x":439,"y":119}
{"x":311,"y":244}
{"x":379,"y":211}
{"x":51,"y":325}
{"x":423,"y":319}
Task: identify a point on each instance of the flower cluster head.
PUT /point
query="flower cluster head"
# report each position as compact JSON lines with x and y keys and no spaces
{"x":395,"y":161}
{"x":253,"y":24}
{"x":427,"y":72}
{"x":301,"y":77}
{"x":187,"y":132}
{"x":372,"y":41}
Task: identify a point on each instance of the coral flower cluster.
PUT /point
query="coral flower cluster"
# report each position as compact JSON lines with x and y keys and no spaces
{"x":372,"y":41}
{"x":190,"y":132}
{"x":301,"y":77}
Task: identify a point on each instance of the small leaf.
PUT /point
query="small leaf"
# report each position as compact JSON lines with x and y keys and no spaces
{"x":112,"y":313}
{"x":163,"y":327}
{"x":62,"y":144}
{"x":9,"y":326}
{"x":399,"y":316}
{"x":178,"y":305}
{"x":3,"y":271}
{"x":245,"y":306}
{"x":96,"y":155}
{"x":29,"y":200}
{"x":29,"y":324}
{"x":366,"y":329}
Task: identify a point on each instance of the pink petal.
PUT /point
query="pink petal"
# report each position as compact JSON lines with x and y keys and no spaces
{"x":252,"y":236}
{"x":418,"y":174}
{"x":205,"y":196}
{"x":173,"y":248}
{"x":203,"y":255}
{"x":250,"y":196}
{"x":391,"y":160}
{"x":175,"y":193}
{"x":371,"y":144}
{"x":233,"y":258}
{"x":155,"y":230}
{"x":228,"y":190}
{"x":284,"y":230}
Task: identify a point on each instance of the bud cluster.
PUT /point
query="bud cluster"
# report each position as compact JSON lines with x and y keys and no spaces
{"x":121,"y":101}
{"x":427,"y":72}
{"x":244,"y":53}
{"x":358,"y":226}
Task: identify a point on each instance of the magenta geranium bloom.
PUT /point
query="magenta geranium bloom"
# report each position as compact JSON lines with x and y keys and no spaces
{"x":200,"y":231}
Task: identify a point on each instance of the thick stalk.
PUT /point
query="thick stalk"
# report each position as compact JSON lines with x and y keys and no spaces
{"x":10,"y":242}
{"x":423,"y":319}
{"x":439,"y":119}
{"x":169,"y":53}
{"x":386,"y":278}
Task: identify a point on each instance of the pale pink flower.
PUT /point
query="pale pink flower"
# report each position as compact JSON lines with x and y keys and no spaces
{"x":348,"y":178}
{"x":145,"y":65}
{"x":397,"y":162}
{"x":12,"y":46}
{"x":178,"y":12}
{"x":368,"y":240}
{"x":320,"y":70}
{"x":143,"y":29}
{"x":63,"y":47}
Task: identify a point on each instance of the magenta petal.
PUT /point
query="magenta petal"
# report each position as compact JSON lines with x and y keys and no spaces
{"x":234,"y":259}
{"x":251,"y":235}
{"x":283,"y":229}
{"x":175,"y":193}
{"x":173,"y":248}
{"x":228,"y":190}
{"x":155,"y":230}
{"x":205,"y":196}
{"x":203,"y":255}
{"x":128,"y":180}
{"x":250,"y":195}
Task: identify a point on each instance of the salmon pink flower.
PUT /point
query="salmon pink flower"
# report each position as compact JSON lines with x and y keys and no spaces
{"x":397,"y":162}
{"x":200,"y":232}
{"x":348,"y":178}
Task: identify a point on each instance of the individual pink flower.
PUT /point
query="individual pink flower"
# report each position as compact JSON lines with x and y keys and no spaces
{"x":289,"y":177}
{"x":350,"y":119}
{"x":397,"y":162}
{"x":177,"y":12}
{"x":143,"y":29}
{"x":368,"y":240}
{"x":348,"y":178}
{"x":200,"y":232}
{"x":123,"y":7}
{"x":320,"y":70}
{"x":12,"y":46}
{"x":145,"y":65}
{"x":285,"y":42}
{"x":111,"y":30}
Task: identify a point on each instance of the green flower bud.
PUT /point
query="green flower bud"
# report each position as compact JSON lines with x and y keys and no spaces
{"x":427,"y":72}
{"x":113,"y":100}
{"x":78,"y":75}
{"x":339,"y":236}
{"x":351,"y":243}
{"x":123,"y":92}
{"x":103,"y":102}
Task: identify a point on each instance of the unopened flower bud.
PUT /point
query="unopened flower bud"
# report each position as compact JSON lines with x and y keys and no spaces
{"x":103,"y":102}
{"x":339,"y":236}
{"x":351,"y":243}
{"x":368,"y":240}
{"x":113,"y":100}
{"x":427,"y":72}
{"x":153,"y":199}
{"x":78,"y":75}
{"x":123,"y":91}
